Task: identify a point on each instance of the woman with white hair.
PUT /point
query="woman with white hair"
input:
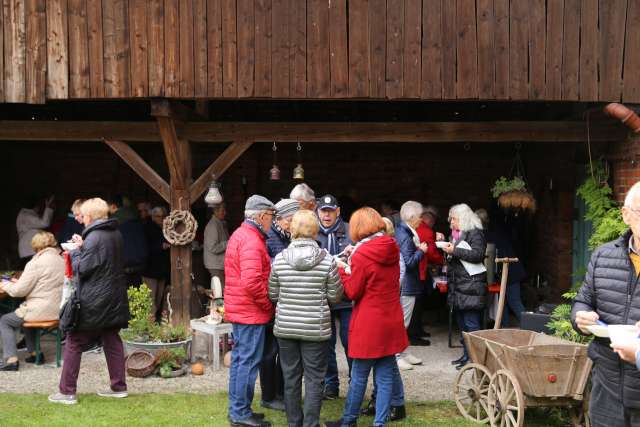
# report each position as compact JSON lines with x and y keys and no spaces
{"x":467,"y":276}
{"x":305,"y":196}
{"x":412,"y":252}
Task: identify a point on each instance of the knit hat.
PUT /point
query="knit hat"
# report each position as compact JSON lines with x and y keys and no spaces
{"x":259,"y":203}
{"x":287,"y":207}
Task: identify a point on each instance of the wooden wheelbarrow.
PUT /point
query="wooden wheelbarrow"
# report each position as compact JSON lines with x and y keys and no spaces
{"x":503,"y":288}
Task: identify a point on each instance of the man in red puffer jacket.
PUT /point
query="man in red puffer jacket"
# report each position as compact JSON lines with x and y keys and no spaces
{"x":247,"y":266}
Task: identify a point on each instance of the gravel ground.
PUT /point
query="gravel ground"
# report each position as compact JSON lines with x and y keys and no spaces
{"x":431,"y":381}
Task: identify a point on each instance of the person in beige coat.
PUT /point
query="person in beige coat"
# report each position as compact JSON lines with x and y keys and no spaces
{"x":41,"y":286}
{"x":216,"y":236}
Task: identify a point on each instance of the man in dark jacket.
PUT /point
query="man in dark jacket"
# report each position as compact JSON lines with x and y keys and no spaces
{"x":158,"y":268}
{"x":610,"y":293}
{"x":104,"y":308}
{"x":135,"y":250}
{"x":334,"y":237}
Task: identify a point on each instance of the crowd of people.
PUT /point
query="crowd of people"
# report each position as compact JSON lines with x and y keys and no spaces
{"x":295,"y":275}
{"x":298,"y":276}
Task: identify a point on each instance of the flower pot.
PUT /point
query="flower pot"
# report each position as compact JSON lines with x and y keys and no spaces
{"x":154,"y":348}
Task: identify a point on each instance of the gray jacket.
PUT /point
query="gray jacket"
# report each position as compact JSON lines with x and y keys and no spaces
{"x":215,"y":244}
{"x":304,"y":280}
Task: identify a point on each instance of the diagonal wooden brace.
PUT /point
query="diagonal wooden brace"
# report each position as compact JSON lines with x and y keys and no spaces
{"x":142,"y":168}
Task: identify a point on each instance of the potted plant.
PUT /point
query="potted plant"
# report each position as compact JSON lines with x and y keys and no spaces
{"x":144,"y":333}
{"x":512,"y":194}
{"x":171,"y":362}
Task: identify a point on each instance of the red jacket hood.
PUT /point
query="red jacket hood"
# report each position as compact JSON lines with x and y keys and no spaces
{"x":383,"y":250}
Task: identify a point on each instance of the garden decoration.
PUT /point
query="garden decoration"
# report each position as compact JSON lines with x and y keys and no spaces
{"x":179,"y":228}
{"x":140,"y":364}
{"x":143,"y":333}
{"x":512,"y":194}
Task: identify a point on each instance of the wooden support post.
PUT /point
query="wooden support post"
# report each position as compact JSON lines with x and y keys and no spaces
{"x":178,"y":157}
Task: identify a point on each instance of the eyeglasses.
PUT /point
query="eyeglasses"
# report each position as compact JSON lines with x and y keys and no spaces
{"x":635,"y":211}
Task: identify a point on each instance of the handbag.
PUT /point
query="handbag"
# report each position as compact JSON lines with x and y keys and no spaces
{"x":70,"y":313}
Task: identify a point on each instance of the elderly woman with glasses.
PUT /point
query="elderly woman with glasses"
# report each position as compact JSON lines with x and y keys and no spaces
{"x":467,"y":276}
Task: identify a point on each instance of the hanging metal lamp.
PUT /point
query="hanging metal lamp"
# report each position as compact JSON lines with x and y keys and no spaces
{"x":298,"y":171}
{"x":213,"y":197}
{"x":274,"y":172}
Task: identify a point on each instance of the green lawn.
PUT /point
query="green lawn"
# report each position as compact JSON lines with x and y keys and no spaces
{"x":171,"y":410}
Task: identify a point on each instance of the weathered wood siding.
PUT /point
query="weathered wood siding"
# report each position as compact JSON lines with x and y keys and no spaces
{"x":572,"y":50}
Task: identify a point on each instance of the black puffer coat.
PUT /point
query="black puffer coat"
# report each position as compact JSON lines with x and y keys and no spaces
{"x":99,"y":272}
{"x":611,"y":289}
{"x":467,"y":292}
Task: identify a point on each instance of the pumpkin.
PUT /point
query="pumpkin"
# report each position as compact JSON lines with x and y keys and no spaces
{"x":197,"y":369}
{"x":226,"y":361}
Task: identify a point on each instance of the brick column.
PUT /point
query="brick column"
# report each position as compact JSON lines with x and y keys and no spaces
{"x":625,"y":164}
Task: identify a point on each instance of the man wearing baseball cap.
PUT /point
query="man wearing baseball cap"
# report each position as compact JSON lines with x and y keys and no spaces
{"x":247,"y":306}
{"x":334,"y":237}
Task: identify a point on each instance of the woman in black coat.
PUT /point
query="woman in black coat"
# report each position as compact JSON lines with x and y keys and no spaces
{"x":467,"y":275}
{"x":98,"y":271}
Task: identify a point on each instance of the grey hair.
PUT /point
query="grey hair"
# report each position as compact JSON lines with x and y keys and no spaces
{"x":251,"y":213}
{"x":467,"y":219}
{"x":410,"y":210}
{"x":303,"y":192}
{"x":632,"y":194}
{"x":159,"y":210}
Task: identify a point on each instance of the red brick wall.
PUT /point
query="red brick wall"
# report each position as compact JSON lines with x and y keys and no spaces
{"x":624,"y":157}
{"x":439,"y":174}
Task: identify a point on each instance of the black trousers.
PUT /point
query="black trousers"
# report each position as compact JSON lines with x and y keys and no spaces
{"x":271,"y":380}
{"x":309,"y":360}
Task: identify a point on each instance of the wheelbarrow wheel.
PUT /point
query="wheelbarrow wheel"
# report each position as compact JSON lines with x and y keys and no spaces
{"x":505,"y":400}
{"x":470,"y":392}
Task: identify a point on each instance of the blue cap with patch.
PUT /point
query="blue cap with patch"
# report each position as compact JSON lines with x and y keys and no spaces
{"x":328,"y":202}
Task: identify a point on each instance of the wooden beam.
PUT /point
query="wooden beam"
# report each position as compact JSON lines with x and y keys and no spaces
{"x":225,"y":132}
{"x":177,"y":110}
{"x":218,"y":167}
{"x":171,"y":149}
{"x":140,"y":167}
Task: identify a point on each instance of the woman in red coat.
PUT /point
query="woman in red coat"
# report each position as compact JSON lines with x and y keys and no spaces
{"x":377,"y":332}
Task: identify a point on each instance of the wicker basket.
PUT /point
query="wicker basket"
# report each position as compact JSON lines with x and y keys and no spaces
{"x":140,"y":364}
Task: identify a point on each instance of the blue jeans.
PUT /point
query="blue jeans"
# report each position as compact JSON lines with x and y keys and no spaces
{"x":245,"y":360}
{"x":383,"y":378}
{"x":397,"y":393}
{"x":331,"y":380}
{"x":513,"y":303}
{"x":468,"y":321}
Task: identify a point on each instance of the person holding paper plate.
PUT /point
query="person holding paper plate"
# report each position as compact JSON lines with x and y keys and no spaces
{"x":610,"y":295}
{"x":467,"y":276}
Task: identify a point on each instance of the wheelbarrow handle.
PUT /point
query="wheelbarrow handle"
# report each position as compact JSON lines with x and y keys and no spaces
{"x":507,"y":260}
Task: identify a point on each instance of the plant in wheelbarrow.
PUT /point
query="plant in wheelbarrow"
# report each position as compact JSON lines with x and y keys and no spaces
{"x":143,"y":333}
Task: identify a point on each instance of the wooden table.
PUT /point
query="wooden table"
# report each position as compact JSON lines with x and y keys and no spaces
{"x":216,"y":331}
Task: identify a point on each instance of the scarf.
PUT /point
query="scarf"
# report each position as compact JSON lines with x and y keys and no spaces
{"x":284,"y":235}
{"x":256,"y":225}
{"x":360,"y":243}
{"x":330,"y":232}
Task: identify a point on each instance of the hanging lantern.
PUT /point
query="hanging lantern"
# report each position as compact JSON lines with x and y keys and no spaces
{"x":298,"y":171}
{"x":274,"y":172}
{"x":213,"y":197}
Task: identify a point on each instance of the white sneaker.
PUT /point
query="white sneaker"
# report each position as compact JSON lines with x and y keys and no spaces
{"x":111,"y":393}
{"x":412,"y":359}
{"x":65,"y":399}
{"x":403,"y":365}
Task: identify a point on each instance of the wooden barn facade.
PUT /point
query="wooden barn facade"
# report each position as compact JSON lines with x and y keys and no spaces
{"x":395,"y":99}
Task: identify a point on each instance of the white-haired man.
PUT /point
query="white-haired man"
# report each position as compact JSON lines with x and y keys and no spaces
{"x":247,"y":306}
{"x":305,"y":196}
{"x":610,"y":293}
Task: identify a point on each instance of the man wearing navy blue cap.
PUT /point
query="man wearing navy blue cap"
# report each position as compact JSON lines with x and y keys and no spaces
{"x":334,"y":237}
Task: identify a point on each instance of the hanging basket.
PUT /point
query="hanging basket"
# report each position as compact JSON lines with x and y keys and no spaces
{"x":179,"y":228}
{"x":517,"y":200}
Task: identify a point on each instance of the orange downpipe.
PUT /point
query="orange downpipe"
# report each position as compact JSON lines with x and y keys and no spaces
{"x":625,"y":114}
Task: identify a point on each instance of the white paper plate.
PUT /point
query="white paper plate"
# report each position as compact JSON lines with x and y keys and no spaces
{"x":69,"y":246}
{"x":441,"y":245}
{"x":623,"y":333}
{"x":599,"y":331}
